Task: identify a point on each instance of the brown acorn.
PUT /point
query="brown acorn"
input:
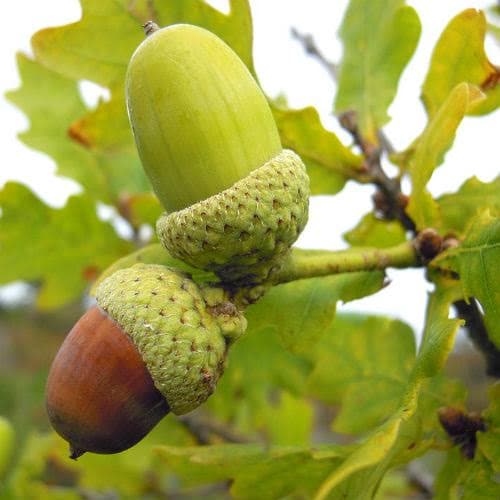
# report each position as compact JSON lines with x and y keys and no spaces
{"x":155,"y":342}
{"x":98,"y":357}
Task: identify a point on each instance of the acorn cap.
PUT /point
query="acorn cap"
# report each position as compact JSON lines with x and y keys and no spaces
{"x":200,"y":121}
{"x":243,"y":233}
{"x":182,"y":331}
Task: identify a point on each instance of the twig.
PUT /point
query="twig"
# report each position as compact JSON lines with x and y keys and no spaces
{"x":310,"y":264}
{"x":385,"y":143}
{"x":389,"y":200}
{"x":203,"y":428}
{"x":479,"y":335}
{"x":311,"y":48}
{"x":307,"y":41}
{"x":421,"y":479}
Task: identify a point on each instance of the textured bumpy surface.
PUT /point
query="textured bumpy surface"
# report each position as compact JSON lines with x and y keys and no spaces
{"x":243,"y":233}
{"x":181,"y":331}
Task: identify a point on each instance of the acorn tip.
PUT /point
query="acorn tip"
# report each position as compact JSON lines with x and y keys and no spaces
{"x":75,"y":452}
{"x":150,"y":27}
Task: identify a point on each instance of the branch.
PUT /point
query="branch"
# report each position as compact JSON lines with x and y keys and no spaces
{"x":203,"y":428}
{"x":479,"y":335}
{"x":311,"y":264}
{"x":389,"y":200}
{"x":420,"y":479}
{"x":309,"y":45}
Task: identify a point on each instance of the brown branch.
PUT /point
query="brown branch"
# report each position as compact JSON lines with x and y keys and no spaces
{"x":389,"y":201}
{"x":420,"y":479}
{"x":307,"y":42}
{"x":478,"y":334}
{"x":310,"y":47}
{"x":204,"y":428}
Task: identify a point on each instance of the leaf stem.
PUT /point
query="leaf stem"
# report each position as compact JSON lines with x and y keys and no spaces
{"x":315,"y":263}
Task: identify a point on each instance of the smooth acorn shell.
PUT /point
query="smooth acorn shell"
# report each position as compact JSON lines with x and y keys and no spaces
{"x":200,"y":121}
{"x":100,"y":396}
{"x":6,"y":444}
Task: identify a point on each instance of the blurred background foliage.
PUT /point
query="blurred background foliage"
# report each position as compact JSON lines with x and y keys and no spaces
{"x":342,"y":405}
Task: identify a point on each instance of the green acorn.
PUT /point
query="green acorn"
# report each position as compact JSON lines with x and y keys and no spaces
{"x":156,"y":342}
{"x":235,"y":200}
{"x":6,"y":444}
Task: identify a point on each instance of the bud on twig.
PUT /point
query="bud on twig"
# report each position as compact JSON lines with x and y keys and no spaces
{"x":428,"y":244}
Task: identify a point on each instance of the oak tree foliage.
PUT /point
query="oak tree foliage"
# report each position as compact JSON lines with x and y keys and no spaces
{"x":299,"y":363}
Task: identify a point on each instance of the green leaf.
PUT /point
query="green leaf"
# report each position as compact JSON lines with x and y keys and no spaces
{"x":370,"y":453}
{"x":480,"y":481}
{"x":256,"y":472}
{"x":44,"y":470}
{"x":368,"y":463}
{"x":356,"y":470}
{"x":96,"y":48}
{"x":374,"y":232}
{"x":105,"y":128}
{"x":445,"y":485}
{"x":457,"y":209}
{"x":379,"y":38}
{"x":53,"y":106}
{"x":494,"y":30}
{"x":288,"y":319}
{"x":329,"y":163}
{"x":369,"y":358}
{"x":235,"y":28}
{"x":466,"y":479}
{"x":459,"y":56}
{"x":289,"y":421}
{"x":301,"y":311}
{"x":476,"y":260}
{"x":248,"y":386}
{"x":52,"y":103}
{"x":139,"y":209}
{"x":130,"y":472}
{"x":63,"y":249}
{"x":394,"y":485}
{"x":430,"y":148}
{"x":488,"y":441}
{"x":99,"y":46}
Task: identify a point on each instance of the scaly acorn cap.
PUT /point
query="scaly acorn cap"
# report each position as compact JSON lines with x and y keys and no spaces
{"x":207,"y":139}
{"x":243,"y":233}
{"x":181,"y":330}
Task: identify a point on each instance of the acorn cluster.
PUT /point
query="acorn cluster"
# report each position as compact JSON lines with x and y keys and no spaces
{"x":157,"y":341}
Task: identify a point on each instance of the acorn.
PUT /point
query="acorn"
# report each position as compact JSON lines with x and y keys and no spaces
{"x":155,"y":342}
{"x":6,"y":444}
{"x":235,"y":200}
